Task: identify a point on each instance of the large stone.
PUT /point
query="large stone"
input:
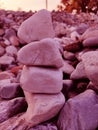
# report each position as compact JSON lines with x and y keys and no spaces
{"x":11,"y":107}
{"x":90,"y":61}
{"x":41,"y":107}
{"x":80,"y":112}
{"x":42,"y":53}
{"x":37,"y":27}
{"x":41,"y":80}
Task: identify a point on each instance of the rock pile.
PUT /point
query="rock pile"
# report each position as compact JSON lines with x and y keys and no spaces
{"x":42,"y":57}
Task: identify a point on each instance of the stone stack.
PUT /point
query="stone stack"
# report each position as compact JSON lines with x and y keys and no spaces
{"x":41,"y":79}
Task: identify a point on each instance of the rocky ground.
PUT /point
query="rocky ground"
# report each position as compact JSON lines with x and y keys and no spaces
{"x":48,"y":70}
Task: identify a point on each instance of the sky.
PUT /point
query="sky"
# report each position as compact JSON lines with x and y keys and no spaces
{"x":28,"y":4}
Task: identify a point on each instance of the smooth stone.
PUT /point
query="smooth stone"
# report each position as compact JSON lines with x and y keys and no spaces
{"x":5,"y":75}
{"x":90,"y":32}
{"x":80,"y":112}
{"x":79,"y":72}
{"x":42,"y":107}
{"x":69,"y":56}
{"x":10,"y":91}
{"x":90,"y":61}
{"x":2,"y":50}
{"x":11,"y":107}
{"x":41,"y":80}
{"x":42,"y":53}
{"x":6,"y":60}
{"x":28,"y":32}
{"x":67,"y":68}
{"x":91,"y":42}
{"x":11,"y":50}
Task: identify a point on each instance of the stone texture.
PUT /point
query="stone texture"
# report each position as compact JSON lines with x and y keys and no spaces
{"x":46,"y":126}
{"x":41,"y":80}
{"x":11,"y":107}
{"x":79,"y":72}
{"x":69,"y":56}
{"x":90,"y":32}
{"x":90,"y":61}
{"x":80,"y":112}
{"x":42,"y":53}
{"x":43,"y":29}
{"x":10,"y":91}
{"x":91,"y":42}
{"x":6,"y":60}
{"x":42,"y":107}
{"x":5,"y":75}
{"x":67,"y":68}
{"x":11,"y":51}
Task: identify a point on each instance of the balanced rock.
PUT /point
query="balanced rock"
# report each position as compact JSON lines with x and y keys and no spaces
{"x":42,"y":107}
{"x":41,"y":80}
{"x":80,"y":112}
{"x":42,"y":53}
{"x":90,"y":61}
{"x":37,"y":27}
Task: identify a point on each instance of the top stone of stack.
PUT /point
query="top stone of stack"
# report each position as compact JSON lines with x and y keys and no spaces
{"x":37,"y":27}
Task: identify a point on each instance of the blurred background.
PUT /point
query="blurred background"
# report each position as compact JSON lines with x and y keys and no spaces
{"x":27,"y":5}
{"x":61,"y":5}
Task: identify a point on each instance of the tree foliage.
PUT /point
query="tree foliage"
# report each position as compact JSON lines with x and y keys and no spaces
{"x":79,"y":5}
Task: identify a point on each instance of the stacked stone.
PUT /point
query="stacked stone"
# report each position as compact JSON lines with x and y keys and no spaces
{"x":41,"y":79}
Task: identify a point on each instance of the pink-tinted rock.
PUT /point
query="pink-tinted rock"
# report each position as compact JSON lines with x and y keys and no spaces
{"x":2,"y":50}
{"x":42,"y":53}
{"x":5,"y":75}
{"x":80,"y":112}
{"x":41,"y":80}
{"x":90,"y":42}
{"x":11,"y":107}
{"x":43,"y":29}
{"x":67,"y":68}
{"x":79,"y":72}
{"x":11,"y":50}
{"x":11,"y":90}
{"x":90,"y":61}
{"x":6,"y":60}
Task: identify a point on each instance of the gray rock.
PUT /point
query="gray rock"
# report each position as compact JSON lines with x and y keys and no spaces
{"x":80,"y":112}
{"x":37,"y":27}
